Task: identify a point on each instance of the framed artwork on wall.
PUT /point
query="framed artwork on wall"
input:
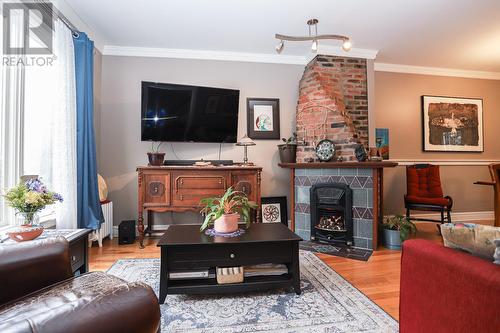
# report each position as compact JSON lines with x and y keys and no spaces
{"x":274,"y":209}
{"x":452,"y":124}
{"x":263,"y":118}
{"x":382,"y":142}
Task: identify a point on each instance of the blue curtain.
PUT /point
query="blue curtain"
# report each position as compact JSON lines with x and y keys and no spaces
{"x":89,"y":208}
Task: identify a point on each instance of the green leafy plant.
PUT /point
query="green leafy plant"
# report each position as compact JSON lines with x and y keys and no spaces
{"x":155,"y":147}
{"x":231,"y":202}
{"x":292,"y":140}
{"x":401,"y":223}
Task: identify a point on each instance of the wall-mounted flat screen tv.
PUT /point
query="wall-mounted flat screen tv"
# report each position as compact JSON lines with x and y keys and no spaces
{"x":181,"y":113}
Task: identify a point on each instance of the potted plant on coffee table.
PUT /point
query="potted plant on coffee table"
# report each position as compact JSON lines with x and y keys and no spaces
{"x":397,"y":229}
{"x":288,"y":149}
{"x":156,"y":158}
{"x":224,"y":212}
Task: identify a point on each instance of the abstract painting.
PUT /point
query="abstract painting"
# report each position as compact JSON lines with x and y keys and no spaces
{"x":452,"y":124}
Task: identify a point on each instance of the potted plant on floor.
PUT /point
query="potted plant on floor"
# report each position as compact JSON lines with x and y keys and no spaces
{"x":28,"y":198}
{"x":397,"y":229}
{"x":288,"y":150}
{"x":224,"y":212}
{"x":154,"y":156}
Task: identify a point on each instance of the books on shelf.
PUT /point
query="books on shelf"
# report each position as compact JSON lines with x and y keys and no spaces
{"x":265,"y":269}
{"x":188,"y":275}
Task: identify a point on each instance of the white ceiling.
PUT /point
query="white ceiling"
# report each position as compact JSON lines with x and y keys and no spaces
{"x":462,"y":34}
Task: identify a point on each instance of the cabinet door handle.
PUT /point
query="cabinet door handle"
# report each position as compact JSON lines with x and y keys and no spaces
{"x":181,"y":197}
{"x":232,"y":256}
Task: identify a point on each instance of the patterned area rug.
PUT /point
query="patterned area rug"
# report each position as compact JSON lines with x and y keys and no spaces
{"x":328,"y":303}
{"x":336,"y":250}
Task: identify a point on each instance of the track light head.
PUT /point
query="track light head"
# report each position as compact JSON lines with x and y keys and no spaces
{"x":280,"y":47}
{"x":314,"y":46}
{"x":346,"y":45}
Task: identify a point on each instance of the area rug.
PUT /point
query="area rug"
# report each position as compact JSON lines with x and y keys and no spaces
{"x":343,"y":251}
{"x":328,"y":303}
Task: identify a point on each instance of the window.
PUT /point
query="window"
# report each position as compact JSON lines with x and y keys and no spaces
{"x":36,"y":128}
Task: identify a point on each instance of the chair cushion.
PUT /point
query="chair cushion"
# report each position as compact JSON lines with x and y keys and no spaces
{"x":92,"y":302}
{"x":424,"y":182}
{"x":427,"y":201}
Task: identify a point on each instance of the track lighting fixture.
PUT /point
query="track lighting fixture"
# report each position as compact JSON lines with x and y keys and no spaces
{"x":280,"y":46}
{"x":313,"y":25}
{"x":314,"y":46}
{"x":346,"y":45}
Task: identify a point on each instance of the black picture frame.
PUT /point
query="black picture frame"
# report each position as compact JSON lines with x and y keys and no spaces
{"x":283,"y":209}
{"x":263,"y":134}
{"x":428,"y":146}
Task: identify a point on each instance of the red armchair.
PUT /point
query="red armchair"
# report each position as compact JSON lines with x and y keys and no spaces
{"x":424,"y":192}
{"x":446,"y":290}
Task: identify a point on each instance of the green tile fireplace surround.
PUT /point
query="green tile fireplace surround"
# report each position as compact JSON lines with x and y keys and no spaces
{"x":364,"y":178}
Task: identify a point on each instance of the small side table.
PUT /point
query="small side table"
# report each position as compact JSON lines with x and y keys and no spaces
{"x":78,"y":240}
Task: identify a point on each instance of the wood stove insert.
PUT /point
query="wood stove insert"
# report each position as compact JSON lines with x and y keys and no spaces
{"x":331,"y":213}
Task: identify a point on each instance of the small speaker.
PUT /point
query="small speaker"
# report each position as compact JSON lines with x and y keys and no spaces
{"x":126,"y":232}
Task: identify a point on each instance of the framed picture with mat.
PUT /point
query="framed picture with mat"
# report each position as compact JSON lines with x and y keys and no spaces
{"x":274,"y":209}
{"x":263,"y":118}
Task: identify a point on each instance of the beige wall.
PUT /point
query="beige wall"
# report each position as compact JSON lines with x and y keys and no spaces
{"x":121,"y":150}
{"x":398,"y":107}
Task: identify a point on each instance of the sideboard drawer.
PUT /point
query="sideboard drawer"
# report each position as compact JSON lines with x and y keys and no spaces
{"x":187,"y":182}
{"x":189,"y":189}
{"x":227,"y":255}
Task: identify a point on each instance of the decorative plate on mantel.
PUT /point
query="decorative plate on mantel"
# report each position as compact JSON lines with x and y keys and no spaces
{"x":325,"y":150}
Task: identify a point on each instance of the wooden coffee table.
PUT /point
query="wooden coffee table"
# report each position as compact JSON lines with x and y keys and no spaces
{"x":184,"y":248}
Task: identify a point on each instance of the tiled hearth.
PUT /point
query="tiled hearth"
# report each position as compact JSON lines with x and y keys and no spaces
{"x":361,"y":182}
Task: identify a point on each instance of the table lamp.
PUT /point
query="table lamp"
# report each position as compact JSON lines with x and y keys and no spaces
{"x":245,"y":141}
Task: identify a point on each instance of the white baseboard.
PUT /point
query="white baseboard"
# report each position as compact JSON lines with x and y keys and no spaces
{"x":460,"y":216}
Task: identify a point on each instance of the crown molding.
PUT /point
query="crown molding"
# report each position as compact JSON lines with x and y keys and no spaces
{"x":437,"y":71}
{"x":353,"y":53}
{"x":131,"y":51}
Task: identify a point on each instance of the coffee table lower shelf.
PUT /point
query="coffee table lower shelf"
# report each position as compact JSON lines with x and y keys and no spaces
{"x":210,"y":286}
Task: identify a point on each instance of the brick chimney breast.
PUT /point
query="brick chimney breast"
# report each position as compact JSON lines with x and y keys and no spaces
{"x":332,"y":104}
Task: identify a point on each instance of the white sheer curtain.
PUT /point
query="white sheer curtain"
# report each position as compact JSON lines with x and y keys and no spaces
{"x":64,"y":129}
{"x":11,"y":121}
{"x":38,"y":133}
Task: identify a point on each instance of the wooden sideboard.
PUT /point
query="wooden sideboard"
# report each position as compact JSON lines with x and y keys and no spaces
{"x":180,"y":188}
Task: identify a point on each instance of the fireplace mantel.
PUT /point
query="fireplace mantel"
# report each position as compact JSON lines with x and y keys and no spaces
{"x":365,"y":178}
{"x":339,"y":165}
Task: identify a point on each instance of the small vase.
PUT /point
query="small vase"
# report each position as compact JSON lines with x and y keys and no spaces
{"x":28,"y":218}
{"x":227,"y":223}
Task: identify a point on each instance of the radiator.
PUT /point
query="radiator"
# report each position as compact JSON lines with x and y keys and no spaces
{"x":107,"y":226}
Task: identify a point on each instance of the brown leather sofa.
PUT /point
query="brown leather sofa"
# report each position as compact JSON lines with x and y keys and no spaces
{"x":38,"y":293}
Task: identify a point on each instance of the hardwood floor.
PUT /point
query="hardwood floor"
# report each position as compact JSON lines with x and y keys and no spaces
{"x":378,"y":278}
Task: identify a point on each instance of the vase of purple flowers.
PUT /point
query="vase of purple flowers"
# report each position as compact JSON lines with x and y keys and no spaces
{"x":28,"y":198}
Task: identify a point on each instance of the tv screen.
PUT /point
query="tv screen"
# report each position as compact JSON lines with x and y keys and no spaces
{"x":172,"y":112}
